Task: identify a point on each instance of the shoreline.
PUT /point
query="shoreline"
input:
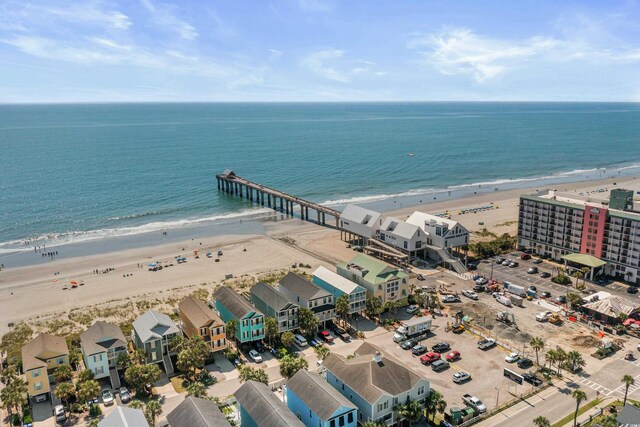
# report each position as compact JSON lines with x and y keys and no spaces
{"x":35,"y":291}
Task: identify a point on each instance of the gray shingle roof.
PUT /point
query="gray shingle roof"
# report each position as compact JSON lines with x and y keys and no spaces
{"x":360,"y":215}
{"x":100,"y":337}
{"x":271,"y":296}
{"x":36,"y":352}
{"x":235,"y":303}
{"x":123,"y":416}
{"x":264,"y":407}
{"x":628,"y":416}
{"x":154,"y":325}
{"x":399,"y":227}
{"x":196,"y":412}
{"x":317,"y":394}
{"x":299,"y":286}
{"x":198,"y":313}
{"x":369,"y":378}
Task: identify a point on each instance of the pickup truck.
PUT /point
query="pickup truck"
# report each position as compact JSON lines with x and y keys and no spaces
{"x":474,"y":402}
{"x":325,"y":336}
{"x":486,"y":343}
{"x":450,"y":298}
{"x":344,"y":336}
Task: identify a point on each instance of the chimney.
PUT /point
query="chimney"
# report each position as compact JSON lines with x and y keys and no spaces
{"x":377,"y":357}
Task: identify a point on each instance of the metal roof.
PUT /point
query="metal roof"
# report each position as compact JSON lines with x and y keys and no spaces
{"x":196,"y":412}
{"x":123,"y":416}
{"x":362,"y":216}
{"x":154,"y":325}
{"x":301,"y":287}
{"x":264,"y":407}
{"x":100,"y":337}
{"x":377,"y":271}
{"x":584,"y":259}
{"x":337,"y":281}
{"x":399,"y":227}
{"x":317,"y":394}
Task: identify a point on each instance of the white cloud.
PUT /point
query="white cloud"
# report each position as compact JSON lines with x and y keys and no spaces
{"x":461,"y":51}
{"x":87,"y":14}
{"x":164,"y":16}
{"x":315,"y":5}
{"x":317,"y":63}
{"x":274,"y":54}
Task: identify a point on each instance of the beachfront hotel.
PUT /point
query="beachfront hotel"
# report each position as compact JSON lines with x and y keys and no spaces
{"x":605,"y":233}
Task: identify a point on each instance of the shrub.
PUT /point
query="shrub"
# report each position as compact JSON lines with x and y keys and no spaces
{"x":95,"y":411}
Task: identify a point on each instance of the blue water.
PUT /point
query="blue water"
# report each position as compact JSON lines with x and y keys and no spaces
{"x":72,"y":172}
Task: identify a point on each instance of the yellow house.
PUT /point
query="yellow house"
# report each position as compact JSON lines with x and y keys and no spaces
{"x":40,"y":358}
{"x":198,"y":319}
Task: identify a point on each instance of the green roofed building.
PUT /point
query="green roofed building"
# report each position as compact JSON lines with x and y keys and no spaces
{"x":381,"y":280}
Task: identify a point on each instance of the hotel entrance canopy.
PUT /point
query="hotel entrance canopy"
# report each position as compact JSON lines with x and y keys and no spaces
{"x":584,"y":259}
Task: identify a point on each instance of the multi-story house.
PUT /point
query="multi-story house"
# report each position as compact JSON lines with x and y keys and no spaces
{"x":197,"y":412}
{"x":358,"y":225}
{"x":249,"y":320}
{"x":101,"y":346}
{"x":123,"y":416}
{"x":40,"y":358}
{"x":402,"y":235}
{"x":307,"y":295}
{"x":337,"y":286}
{"x":318,"y":404}
{"x":153,"y":333}
{"x":274,"y":304}
{"x":376,"y":383}
{"x":260,"y":407}
{"x":199,"y":320}
{"x":606,"y":232}
{"x":381,"y":280}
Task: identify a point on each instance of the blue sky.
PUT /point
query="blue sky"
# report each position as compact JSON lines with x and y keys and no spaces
{"x":319,"y":50}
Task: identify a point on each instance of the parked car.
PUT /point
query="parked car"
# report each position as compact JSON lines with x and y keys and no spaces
{"x":458,"y":328}
{"x":514,"y":264}
{"x":537,"y":261}
{"x":412,"y":309}
{"x":59,"y":415}
{"x":453,"y":356}
{"x":418,"y":350}
{"x":450,"y":298}
{"x":560,"y":299}
{"x":545,"y":295}
{"x":441,"y":347}
{"x":429,"y":358}
{"x":531,"y":379}
{"x":470,"y":294}
{"x":325,"y":336}
{"x":408,"y":344}
{"x":486,"y":343}
{"x":525,"y":256}
{"x":532,"y":270}
{"x":439,"y":365}
{"x":125,"y":396}
{"x":512,"y":357}
{"x":545,"y":274}
{"x":259,"y":346}
{"x":255,"y":356}
{"x":500,"y":260}
{"x":525,"y":363}
{"x":342,"y":334}
{"x":474,"y":402}
{"x":532,"y":288}
{"x":107,"y":397}
{"x":461,"y":376}
{"x":632,"y":290}
{"x":505,"y":262}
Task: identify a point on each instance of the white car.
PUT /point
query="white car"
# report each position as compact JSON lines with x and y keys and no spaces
{"x":255,"y":356}
{"x":412,"y":309}
{"x":107,"y":397}
{"x":450,"y":298}
{"x":543,"y":316}
{"x":461,"y":376}
{"x":513,"y":357}
{"x":470,"y":294}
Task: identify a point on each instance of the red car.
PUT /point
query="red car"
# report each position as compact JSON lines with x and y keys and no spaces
{"x":326,"y":336}
{"x":525,"y":256}
{"x":429,"y":358}
{"x":453,"y":356}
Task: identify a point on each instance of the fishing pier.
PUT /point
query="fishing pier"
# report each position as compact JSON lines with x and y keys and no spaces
{"x":235,"y":185}
{"x":231,"y":183}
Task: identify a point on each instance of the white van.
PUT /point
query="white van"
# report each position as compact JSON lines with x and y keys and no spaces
{"x":300,"y":340}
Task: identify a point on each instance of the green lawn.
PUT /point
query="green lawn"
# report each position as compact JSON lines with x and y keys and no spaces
{"x":582,"y":410}
{"x":178,"y":384}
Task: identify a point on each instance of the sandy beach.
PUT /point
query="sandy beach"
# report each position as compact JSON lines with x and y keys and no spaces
{"x":37,"y":292}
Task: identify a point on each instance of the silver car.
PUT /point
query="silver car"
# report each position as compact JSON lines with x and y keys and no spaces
{"x":107,"y":397}
{"x":461,"y":376}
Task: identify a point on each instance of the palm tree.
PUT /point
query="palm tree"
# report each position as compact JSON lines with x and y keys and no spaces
{"x":561,"y":356}
{"x":232,"y":329}
{"x":342,"y":308}
{"x":541,"y":422}
{"x":152,"y":411}
{"x":575,"y":360}
{"x":628,"y":381}
{"x":434,"y":400}
{"x":64,"y":392}
{"x":372,"y":424}
{"x":88,"y":390}
{"x":551,"y":356}
{"x":411,"y":410}
{"x":137,"y":404}
{"x":579,"y":396}
{"x":537,"y":344}
{"x":63,"y":373}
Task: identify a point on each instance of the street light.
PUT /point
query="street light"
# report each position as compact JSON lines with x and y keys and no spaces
{"x":497,"y":396}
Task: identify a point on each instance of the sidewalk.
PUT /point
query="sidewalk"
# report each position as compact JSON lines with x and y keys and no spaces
{"x":591,"y":413}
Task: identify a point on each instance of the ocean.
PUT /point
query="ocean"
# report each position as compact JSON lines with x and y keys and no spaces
{"x":76,"y":173}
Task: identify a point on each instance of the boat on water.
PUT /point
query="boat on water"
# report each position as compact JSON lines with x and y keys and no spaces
{"x":410,"y":154}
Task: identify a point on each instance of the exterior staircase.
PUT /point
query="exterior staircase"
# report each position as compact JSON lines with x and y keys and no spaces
{"x":115,"y":379}
{"x":454,"y":263}
{"x":168,"y":366}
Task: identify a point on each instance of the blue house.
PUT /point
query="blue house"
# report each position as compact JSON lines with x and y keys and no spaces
{"x":232,"y":306}
{"x":337,"y":286}
{"x":317,"y":404}
{"x":260,"y":407}
{"x":376,"y":383}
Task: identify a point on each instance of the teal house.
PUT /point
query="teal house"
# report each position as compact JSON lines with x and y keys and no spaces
{"x":232,"y":306}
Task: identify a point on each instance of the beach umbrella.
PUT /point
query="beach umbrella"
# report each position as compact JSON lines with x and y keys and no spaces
{"x":153,"y":264}
{"x":73,"y":282}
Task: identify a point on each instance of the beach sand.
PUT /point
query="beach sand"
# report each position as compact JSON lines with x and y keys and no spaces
{"x":29,"y":293}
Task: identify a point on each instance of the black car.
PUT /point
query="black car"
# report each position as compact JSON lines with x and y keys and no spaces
{"x":545,"y":294}
{"x":344,"y":336}
{"x":544,"y":274}
{"x":408,"y":344}
{"x":632,"y":290}
{"x":531,"y":379}
{"x":560,"y":299}
{"x":441,"y":347}
{"x":499,"y":260}
{"x":525,"y":363}
{"x":259,"y":346}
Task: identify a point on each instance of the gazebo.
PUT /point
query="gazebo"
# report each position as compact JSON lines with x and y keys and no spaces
{"x":584,"y":260}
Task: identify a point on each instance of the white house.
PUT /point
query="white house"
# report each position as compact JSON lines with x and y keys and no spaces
{"x":101,"y":345}
{"x":358,"y":223}
{"x":404,"y":236}
{"x":441,"y":232}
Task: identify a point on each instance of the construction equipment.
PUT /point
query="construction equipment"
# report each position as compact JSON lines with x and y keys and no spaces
{"x":555,"y":319}
{"x":506,"y":317}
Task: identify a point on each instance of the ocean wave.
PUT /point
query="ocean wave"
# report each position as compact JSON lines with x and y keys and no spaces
{"x":63,"y":238}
